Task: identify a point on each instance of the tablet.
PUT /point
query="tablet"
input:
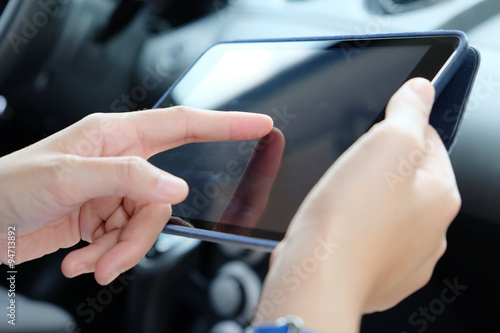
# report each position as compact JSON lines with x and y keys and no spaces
{"x":322,"y":93}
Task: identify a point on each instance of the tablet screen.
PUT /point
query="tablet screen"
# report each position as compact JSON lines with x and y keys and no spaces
{"x":322,"y":95}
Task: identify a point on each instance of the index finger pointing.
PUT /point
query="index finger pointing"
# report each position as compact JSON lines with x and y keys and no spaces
{"x":163,"y":129}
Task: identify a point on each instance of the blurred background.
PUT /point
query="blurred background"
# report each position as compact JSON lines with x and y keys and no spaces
{"x":63,"y":59}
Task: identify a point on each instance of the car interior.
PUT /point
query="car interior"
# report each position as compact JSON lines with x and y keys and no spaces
{"x":61,"y":60}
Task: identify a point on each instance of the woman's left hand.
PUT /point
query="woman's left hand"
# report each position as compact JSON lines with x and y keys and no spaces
{"x":92,"y":181}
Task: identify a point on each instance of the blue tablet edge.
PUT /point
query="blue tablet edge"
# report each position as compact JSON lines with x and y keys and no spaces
{"x":220,"y":237}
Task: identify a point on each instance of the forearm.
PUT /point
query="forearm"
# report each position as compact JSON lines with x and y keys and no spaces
{"x":318,"y":287}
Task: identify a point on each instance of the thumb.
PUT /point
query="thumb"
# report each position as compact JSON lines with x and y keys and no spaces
{"x":410,"y":107}
{"x":130,"y":176}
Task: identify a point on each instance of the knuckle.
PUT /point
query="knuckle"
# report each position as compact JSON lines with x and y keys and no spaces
{"x":426,"y":277}
{"x":182,"y":115}
{"x":180,"y":109}
{"x":432,"y":132}
{"x":394,"y":137}
{"x":63,"y":166}
{"x":442,"y":248}
{"x":131,"y":169}
{"x":178,"y":112}
{"x":93,"y":118}
{"x":64,"y":169}
{"x":393,"y":132}
{"x":454,"y":202}
{"x":104,"y":123}
{"x":456,"y":199}
{"x":427,"y":270}
{"x":450,"y":198}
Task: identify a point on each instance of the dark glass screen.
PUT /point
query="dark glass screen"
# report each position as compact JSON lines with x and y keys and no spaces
{"x":322,"y":95}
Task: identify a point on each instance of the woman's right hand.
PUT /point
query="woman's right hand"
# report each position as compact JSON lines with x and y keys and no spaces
{"x":371,"y":231}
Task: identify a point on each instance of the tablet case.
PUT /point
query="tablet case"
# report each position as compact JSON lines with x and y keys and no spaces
{"x":449,"y":107}
{"x":446,"y":117}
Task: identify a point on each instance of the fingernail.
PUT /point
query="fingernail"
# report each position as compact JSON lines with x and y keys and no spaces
{"x":81,"y":269}
{"x":171,"y":187}
{"x":263,"y":132}
{"x":423,"y":89}
{"x":111,"y":277}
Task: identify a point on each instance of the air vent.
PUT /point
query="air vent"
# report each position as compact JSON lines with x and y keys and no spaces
{"x":398,"y":6}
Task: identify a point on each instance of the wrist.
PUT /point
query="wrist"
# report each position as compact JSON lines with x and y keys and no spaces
{"x":322,"y":291}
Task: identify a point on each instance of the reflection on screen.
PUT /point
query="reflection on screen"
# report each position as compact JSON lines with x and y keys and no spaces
{"x":322,"y":99}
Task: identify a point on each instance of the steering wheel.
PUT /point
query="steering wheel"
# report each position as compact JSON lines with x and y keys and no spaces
{"x":28,"y":32}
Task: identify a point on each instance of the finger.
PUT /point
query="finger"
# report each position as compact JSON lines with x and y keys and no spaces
{"x":131,"y":177}
{"x":47,"y":240}
{"x":411,"y":106}
{"x":84,"y":260}
{"x":250,"y":197}
{"x":94,"y":213}
{"x":163,"y":129}
{"x":136,"y":239}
